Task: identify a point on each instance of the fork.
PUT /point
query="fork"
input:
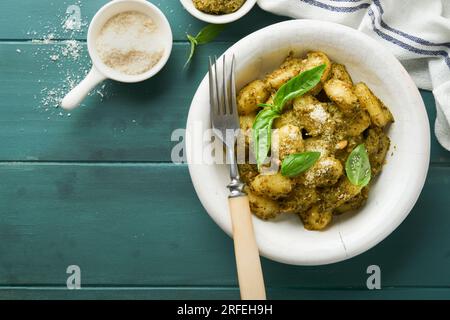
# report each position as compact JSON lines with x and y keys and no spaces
{"x":225,"y":119}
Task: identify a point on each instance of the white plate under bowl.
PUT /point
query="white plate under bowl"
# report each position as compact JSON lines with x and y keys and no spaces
{"x":395,"y":191}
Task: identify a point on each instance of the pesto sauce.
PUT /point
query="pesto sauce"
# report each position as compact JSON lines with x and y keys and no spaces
{"x":218,"y":7}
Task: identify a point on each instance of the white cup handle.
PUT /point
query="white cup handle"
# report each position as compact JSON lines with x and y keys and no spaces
{"x":77,"y":94}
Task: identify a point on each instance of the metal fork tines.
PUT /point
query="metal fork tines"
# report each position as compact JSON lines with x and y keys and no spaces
{"x":224,"y":115}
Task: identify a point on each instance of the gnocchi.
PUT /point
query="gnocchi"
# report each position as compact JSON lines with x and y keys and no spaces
{"x":272,"y":186}
{"x":379,"y":113}
{"x":251,"y":95}
{"x":332,"y":118}
{"x":287,"y":140}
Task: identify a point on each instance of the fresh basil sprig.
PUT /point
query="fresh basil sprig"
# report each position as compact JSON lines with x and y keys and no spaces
{"x":262,"y":133}
{"x":296,"y":163}
{"x":207,"y":34}
{"x":357,"y":167}
{"x":298,"y":86}
{"x":262,"y":126}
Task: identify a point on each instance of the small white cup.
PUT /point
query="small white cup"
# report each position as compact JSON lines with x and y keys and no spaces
{"x":100,"y":71}
{"x":218,"y":18}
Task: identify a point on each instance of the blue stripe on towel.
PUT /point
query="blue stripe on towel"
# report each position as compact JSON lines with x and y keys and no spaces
{"x":405,"y":45}
{"x":336,"y":8}
{"x":383,"y":35}
{"x":404,"y":34}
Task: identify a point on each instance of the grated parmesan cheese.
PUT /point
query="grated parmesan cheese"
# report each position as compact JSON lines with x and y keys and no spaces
{"x":319,"y":114}
{"x":128,"y":43}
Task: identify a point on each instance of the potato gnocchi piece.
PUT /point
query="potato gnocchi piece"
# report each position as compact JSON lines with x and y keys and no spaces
{"x":291,"y":61}
{"x":316,"y":218}
{"x":264,"y":208}
{"x":358,"y":123}
{"x":341,"y":93}
{"x":325,"y":172}
{"x":336,"y":126}
{"x":287,"y":140}
{"x":246,"y":121}
{"x":379,"y":113}
{"x":247,"y":172}
{"x":304,"y":102}
{"x":377,"y":145}
{"x":318,"y":145}
{"x":314,"y":118}
{"x":272,"y":186}
{"x":339,"y":72}
{"x":340,"y":193}
{"x":315,"y":59}
{"x":354,"y":203}
{"x":289,"y":69}
{"x":287,"y":118}
{"x":251,"y":95}
{"x":299,"y":200}
{"x":246,"y":124}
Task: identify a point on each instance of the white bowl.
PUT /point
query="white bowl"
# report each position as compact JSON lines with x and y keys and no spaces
{"x":395,"y":191}
{"x":100,"y":71}
{"x":218,"y":19}
{"x":113,"y":8}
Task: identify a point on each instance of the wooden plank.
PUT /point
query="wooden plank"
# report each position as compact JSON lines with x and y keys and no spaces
{"x":134,"y":122}
{"x":38,"y":19}
{"x":120,"y":222}
{"x":141,"y":225}
{"x":213,"y":293}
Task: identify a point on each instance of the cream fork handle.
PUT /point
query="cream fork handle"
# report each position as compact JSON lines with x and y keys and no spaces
{"x":250,"y":276}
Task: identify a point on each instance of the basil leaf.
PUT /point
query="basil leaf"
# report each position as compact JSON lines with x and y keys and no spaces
{"x":357,"y":166}
{"x":296,"y":163}
{"x":209,"y":33}
{"x":263,"y":117}
{"x":192,"y":39}
{"x":193,"y":45}
{"x":262,"y":134}
{"x":298,"y":86}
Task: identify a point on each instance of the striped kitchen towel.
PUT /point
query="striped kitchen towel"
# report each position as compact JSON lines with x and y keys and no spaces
{"x":416,"y":31}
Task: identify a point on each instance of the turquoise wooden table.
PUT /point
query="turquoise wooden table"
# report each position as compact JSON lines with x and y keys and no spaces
{"x":96,"y":188}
